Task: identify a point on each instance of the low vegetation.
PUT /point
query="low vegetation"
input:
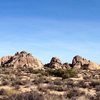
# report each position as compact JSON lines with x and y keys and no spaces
{"x":64,"y":73}
{"x":49,"y":84}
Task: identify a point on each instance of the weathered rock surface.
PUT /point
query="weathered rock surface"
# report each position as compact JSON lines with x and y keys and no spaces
{"x":79,"y":62}
{"x":25,"y":59}
{"x":54,"y":63}
{"x":57,"y":64}
{"x":66,"y":66}
{"x":93,"y":66}
{"x":3,"y":60}
{"x":21,"y":59}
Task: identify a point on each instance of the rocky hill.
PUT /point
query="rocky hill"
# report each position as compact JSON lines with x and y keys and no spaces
{"x":24,"y":77}
{"x":78,"y":62}
{"x":83,"y":63}
{"x":21,"y":59}
{"x":24,"y":59}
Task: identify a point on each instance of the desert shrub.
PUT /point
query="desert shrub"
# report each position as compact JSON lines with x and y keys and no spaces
{"x":69,"y":83}
{"x":5,"y":82}
{"x":97,"y":88}
{"x":16,"y":87}
{"x":91,"y":97}
{"x":74,"y":93}
{"x":43,"y":72}
{"x":31,"y":70}
{"x":56,"y":72}
{"x":98,"y":95}
{"x":40,"y":79}
{"x":70,"y":73}
{"x":57,"y":82}
{"x":56,"y":87}
{"x":18,"y":81}
{"x":42,"y":88}
{"x":37,"y":71}
{"x":62,"y":73}
{"x":95,"y":83}
{"x":54,"y":97}
{"x":2,"y":92}
{"x":10,"y":92}
{"x":33,"y":95}
{"x":83,"y":84}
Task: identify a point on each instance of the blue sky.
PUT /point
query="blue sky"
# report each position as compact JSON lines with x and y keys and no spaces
{"x":46,"y":28}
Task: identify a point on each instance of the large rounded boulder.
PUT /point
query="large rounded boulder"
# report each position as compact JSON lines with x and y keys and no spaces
{"x":55,"y":63}
{"x":21,"y":59}
{"x":79,"y":62}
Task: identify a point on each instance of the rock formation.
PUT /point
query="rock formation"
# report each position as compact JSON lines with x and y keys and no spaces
{"x":24,"y":59}
{"x":79,"y":62}
{"x":21,"y":59}
{"x":54,"y":63}
{"x":5,"y":59}
{"x":57,"y":64}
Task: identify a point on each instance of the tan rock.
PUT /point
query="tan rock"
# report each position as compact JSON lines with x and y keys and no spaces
{"x":5,"y":59}
{"x":57,"y":64}
{"x":54,"y":63}
{"x":79,"y":62}
{"x":21,"y":59}
{"x":94,"y":66}
{"x":77,"y":59}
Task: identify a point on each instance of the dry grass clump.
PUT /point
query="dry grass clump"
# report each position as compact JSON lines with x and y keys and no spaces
{"x":33,"y":95}
{"x":18,"y":81}
{"x":54,"y":97}
{"x":40,"y":79}
{"x":2,"y":92}
{"x":56,"y":87}
{"x":95,"y":83}
{"x":74,"y":93}
{"x":6,"y":93}
{"x":58,"y":82}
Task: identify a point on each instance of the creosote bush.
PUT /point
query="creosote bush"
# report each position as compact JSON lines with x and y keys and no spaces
{"x":33,"y":95}
{"x":64,"y":73}
{"x":38,"y":71}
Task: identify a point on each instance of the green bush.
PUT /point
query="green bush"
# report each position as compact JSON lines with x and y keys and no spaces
{"x":38,"y":71}
{"x":62,"y":73}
